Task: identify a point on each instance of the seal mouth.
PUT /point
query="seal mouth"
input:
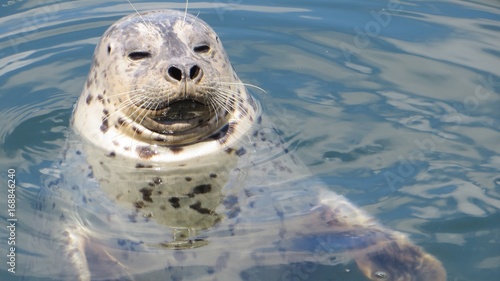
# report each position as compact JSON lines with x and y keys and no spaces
{"x":184,"y":119}
{"x":179,"y":121}
{"x":183,"y":111}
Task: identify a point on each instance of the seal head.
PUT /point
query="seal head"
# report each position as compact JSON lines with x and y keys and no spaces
{"x":161,"y":78}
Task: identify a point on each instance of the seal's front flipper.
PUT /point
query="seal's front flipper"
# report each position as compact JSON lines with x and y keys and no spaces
{"x":105,"y":265}
{"x":88,"y":259}
{"x":73,"y":250}
{"x":397,"y":259}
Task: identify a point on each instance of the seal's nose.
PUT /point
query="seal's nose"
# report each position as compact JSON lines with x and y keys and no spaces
{"x":185,"y":72}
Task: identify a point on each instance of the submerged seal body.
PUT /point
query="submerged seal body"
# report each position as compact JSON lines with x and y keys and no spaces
{"x":192,"y":181}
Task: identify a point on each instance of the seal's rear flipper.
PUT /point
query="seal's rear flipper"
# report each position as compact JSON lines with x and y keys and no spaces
{"x":398,"y":259}
{"x":380,"y":253}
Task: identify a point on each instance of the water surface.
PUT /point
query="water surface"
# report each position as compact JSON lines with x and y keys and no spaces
{"x":391,"y":103}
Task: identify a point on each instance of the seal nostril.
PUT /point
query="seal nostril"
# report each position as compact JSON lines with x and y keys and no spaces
{"x":175,"y":73}
{"x":194,"y":72}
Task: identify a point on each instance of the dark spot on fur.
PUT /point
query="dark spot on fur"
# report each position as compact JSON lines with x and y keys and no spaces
{"x":174,"y":201}
{"x":104,"y":126}
{"x":221,"y":261}
{"x":145,"y":152}
{"x":159,"y":192}
{"x":163,"y":207}
{"x":248,"y":193}
{"x":233,"y":213}
{"x":140,"y":204}
{"x":228,"y":150}
{"x":213,"y":176}
{"x":132,"y":217}
{"x":230,"y":130}
{"x":240,"y":152}
{"x":109,"y":49}
{"x":157,"y":180}
{"x":100,"y":97}
{"x":230,"y":201}
{"x":78,"y":152}
{"x":146,"y":194}
{"x":202,"y":188}
{"x":259,"y":120}
{"x":220,"y":134}
{"x":90,"y":175}
{"x":121,"y":121}
{"x":88,"y":83}
{"x":111,"y":154}
{"x":176,"y":150}
{"x":140,"y":166}
{"x":280,"y":214}
{"x":189,"y":178}
{"x":159,"y":139}
{"x":137,"y":130}
{"x":197,"y":207}
{"x":89,"y":99}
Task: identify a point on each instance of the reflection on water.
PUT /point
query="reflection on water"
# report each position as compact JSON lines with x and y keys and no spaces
{"x":394,"y":104}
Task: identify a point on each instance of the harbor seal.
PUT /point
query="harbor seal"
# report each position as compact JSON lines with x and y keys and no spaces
{"x":179,"y":175}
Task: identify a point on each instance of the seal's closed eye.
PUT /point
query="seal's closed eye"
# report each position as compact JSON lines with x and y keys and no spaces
{"x":139,"y":55}
{"x":201,"y":48}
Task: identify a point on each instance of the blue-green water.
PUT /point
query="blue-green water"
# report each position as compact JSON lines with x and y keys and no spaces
{"x":391,"y":103}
